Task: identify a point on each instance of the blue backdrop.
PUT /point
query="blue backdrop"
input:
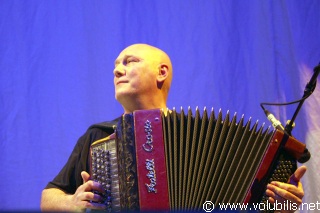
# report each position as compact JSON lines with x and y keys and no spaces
{"x":56,"y":63}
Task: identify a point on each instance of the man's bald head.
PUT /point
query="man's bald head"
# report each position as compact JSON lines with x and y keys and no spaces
{"x":143,"y":76}
{"x":153,"y":54}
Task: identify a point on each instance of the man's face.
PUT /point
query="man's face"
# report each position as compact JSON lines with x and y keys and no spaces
{"x":135,"y":73}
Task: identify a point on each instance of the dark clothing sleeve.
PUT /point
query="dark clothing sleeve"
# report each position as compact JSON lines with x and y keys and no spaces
{"x":69,"y":178}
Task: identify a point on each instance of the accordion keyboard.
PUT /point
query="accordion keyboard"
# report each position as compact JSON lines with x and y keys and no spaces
{"x":104,"y":169}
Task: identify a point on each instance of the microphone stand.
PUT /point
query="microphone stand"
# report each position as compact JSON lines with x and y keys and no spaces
{"x":310,"y":87}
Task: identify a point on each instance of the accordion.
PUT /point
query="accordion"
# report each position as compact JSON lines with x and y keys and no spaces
{"x":178,"y":160}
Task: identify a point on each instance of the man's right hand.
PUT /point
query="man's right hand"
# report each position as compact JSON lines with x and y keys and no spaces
{"x":54,"y":199}
{"x":84,"y":198}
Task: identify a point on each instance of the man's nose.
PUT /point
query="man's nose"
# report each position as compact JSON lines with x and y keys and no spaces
{"x":119,"y":71}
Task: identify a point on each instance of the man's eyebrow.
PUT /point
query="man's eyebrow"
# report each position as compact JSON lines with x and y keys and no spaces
{"x":117,"y":61}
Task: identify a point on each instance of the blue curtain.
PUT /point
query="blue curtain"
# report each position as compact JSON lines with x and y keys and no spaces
{"x":56,"y":63}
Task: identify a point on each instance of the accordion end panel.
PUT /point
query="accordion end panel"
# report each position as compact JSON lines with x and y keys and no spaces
{"x":278,"y":164}
{"x":151,"y":165}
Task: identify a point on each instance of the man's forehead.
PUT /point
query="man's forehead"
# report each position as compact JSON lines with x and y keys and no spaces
{"x":135,"y":51}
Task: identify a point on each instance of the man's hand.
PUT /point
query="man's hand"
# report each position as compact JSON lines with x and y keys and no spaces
{"x":84,"y":195}
{"x":54,"y":199}
{"x":291,"y":191}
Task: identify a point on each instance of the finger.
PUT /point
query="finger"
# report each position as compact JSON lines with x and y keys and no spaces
{"x":91,"y":205}
{"x":90,"y":196}
{"x":273,"y":197}
{"x":85,"y":176}
{"x":93,"y":186}
{"x":285,"y":191}
{"x":297,"y":175}
{"x":296,"y":190}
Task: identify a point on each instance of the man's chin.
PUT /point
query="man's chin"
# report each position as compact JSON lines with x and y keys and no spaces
{"x":123,"y":97}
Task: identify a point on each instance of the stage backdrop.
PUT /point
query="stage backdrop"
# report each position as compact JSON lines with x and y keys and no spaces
{"x":57,"y":58}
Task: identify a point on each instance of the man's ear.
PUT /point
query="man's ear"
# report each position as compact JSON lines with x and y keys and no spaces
{"x":163,"y":73}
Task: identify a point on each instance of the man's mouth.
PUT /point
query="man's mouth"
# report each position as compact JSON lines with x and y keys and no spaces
{"x":121,"y":82}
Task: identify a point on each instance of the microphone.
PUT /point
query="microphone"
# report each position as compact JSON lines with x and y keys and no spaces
{"x":313,"y":81}
{"x":275,"y":122}
{"x":309,"y":89}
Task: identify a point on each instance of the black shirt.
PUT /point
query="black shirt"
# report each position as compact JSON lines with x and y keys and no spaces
{"x":69,"y":178}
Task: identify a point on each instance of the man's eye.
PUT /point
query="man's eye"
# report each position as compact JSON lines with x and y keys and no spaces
{"x":130,"y":60}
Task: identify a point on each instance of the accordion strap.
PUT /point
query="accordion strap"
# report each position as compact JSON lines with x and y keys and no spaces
{"x":151,"y":166}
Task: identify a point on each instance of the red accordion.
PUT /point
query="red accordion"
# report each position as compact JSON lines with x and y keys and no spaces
{"x":178,"y":161}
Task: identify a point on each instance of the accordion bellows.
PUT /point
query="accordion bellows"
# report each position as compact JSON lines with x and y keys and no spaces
{"x":180,"y":160}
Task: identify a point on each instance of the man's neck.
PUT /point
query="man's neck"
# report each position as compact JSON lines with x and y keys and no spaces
{"x":128,"y":110}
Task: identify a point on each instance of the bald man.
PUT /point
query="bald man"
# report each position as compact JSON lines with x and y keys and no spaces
{"x":142,"y":79}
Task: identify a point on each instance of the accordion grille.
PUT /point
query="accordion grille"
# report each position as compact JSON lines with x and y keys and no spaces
{"x":205,"y":152}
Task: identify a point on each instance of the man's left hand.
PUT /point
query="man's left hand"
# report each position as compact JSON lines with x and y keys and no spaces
{"x":291,"y":192}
